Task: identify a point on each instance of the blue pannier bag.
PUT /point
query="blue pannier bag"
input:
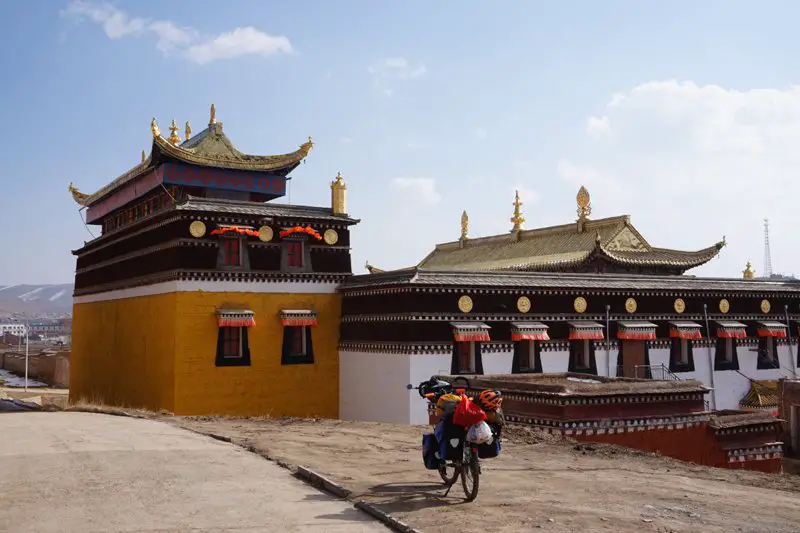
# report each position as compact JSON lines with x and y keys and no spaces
{"x":429,"y":448}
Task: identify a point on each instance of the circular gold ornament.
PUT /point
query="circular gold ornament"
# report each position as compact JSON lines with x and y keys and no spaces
{"x":680,"y":305}
{"x":197,"y":229}
{"x":524,"y":304}
{"x":330,"y":236}
{"x":765,"y":306}
{"x":630,"y":305}
{"x":265,"y":234}
{"x":579,"y":304}
{"x":724,"y":306}
{"x":465,"y":304}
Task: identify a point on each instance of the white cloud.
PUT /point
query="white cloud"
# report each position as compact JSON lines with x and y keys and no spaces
{"x":480,"y":133}
{"x":692,"y":163}
{"x":416,"y":192}
{"x":184,"y":41}
{"x":386,"y":71}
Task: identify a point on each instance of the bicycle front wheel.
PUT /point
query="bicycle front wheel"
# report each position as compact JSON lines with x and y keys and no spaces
{"x":449,"y":473}
{"x":470,"y":476}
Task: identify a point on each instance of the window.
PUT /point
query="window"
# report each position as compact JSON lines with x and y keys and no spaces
{"x":294,"y":254}
{"x":232,"y":347}
{"x":681,"y":356}
{"x":297,"y":346}
{"x":581,"y":356}
{"x":232,"y":252}
{"x":767,"y":353}
{"x":726,"y":357}
{"x":526,"y":357}
{"x":466,"y":357}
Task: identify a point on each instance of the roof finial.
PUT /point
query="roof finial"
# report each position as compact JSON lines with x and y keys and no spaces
{"x":174,"y":138}
{"x":748,"y":272}
{"x":188,"y":131}
{"x":213,"y":119}
{"x":154,"y":128}
{"x":584,"y":207}
{"x":517,"y":219}
{"x":339,"y":195}
{"x":143,"y":156}
{"x":464,"y":226}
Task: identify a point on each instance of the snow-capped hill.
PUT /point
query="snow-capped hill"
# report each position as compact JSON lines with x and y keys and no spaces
{"x":36,"y":299}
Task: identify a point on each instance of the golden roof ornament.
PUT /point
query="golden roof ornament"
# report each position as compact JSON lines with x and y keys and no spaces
{"x":584,"y":207}
{"x":143,"y":156}
{"x":174,"y":138}
{"x":79,"y":197}
{"x":306,"y":147}
{"x":188,"y":131}
{"x":748,"y":272}
{"x":517,"y":219}
{"x":213,"y":118}
{"x":339,"y":195}
{"x":154,"y":128}
{"x":464,"y":226}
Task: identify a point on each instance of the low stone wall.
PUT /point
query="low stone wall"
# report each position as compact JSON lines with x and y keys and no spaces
{"x":48,"y":367}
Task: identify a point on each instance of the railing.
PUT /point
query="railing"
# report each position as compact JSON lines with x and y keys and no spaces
{"x":655,"y":372}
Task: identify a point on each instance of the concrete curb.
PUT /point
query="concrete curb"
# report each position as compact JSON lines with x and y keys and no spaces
{"x":318,"y":481}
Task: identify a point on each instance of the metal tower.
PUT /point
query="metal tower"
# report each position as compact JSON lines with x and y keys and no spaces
{"x":767,"y":255}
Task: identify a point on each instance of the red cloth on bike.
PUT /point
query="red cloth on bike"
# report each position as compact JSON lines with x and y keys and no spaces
{"x":467,"y":413}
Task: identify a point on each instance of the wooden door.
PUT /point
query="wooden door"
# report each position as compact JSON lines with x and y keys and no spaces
{"x":633,"y":357}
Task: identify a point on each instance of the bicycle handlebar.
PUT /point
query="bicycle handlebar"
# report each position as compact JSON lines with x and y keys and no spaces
{"x":436,"y":386}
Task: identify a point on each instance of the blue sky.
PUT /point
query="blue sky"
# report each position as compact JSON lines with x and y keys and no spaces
{"x":682,"y":114}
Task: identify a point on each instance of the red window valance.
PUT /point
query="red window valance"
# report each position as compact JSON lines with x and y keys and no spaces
{"x":685,"y":330}
{"x":636,"y":331}
{"x":470,"y":331}
{"x":529,"y":331}
{"x":235,"y":318}
{"x":298,"y":317}
{"x":579,"y":331}
{"x":731,"y":330}
{"x":772,"y":329}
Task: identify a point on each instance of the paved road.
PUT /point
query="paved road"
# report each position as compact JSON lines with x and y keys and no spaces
{"x":81,"y":472}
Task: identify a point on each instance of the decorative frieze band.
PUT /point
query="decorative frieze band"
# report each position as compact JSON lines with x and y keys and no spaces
{"x":623,"y":398}
{"x":603,"y":427}
{"x":757,"y":453}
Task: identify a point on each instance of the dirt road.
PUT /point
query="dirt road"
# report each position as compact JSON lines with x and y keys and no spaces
{"x":87,"y":473}
{"x":538,"y":484}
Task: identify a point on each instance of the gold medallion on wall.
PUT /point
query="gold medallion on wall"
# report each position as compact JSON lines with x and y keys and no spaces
{"x":724,"y":306}
{"x":579,"y":304}
{"x":265,"y":234}
{"x":465,"y":304}
{"x":630,"y":305}
{"x":524,"y":304}
{"x":197,"y":229}
{"x":330,"y":236}
{"x":765,"y":306}
{"x":679,"y":305}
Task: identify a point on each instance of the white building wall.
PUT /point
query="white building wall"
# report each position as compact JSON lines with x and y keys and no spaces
{"x":12,"y":328}
{"x":372,"y":386}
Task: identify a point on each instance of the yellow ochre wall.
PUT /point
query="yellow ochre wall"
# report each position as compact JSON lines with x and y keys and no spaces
{"x":158,"y":352}
{"x":123,"y":352}
{"x":265,"y":387}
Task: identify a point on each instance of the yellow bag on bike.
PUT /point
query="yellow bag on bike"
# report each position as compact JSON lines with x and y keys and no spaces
{"x":447,"y":404}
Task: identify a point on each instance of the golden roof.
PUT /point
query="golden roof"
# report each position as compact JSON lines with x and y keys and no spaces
{"x":551,"y":248}
{"x":762,"y":395}
{"x":209,"y":148}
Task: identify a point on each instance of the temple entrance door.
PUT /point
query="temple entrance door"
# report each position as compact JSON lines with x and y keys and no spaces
{"x":633,"y":353}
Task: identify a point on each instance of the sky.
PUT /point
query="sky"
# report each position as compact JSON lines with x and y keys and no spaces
{"x":684,"y":115}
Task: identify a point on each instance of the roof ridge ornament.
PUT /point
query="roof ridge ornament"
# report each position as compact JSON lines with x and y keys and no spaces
{"x":143,"y":156}
{"x":213,"y":115}
{"x":517,"y":219}
{"x":174,"y":138}
{"x":464,"y":226}
{"x":154,"y":128}
{"x":748,"y":272}
{"x":188,"y":131}
{"x":584,"y":201}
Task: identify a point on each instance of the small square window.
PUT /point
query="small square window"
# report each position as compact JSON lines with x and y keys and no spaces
{"x":297,"y":345}
{"x":232,"y":347}
{"x":232,"y":252}
{"x":294,"y":254}
{"x":466,"y":357}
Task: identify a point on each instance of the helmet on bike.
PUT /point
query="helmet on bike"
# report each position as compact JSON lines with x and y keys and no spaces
{"x":489,"y":400}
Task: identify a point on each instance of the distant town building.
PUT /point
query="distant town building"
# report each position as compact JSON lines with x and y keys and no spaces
{"x":12,"y":328}
{"x":54,"y":327}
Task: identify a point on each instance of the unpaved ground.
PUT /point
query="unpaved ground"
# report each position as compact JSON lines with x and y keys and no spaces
{"x":539,"y":483}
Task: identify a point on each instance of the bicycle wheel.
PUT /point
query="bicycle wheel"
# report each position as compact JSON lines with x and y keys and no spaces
{"x":449,"y":473}
{"x":470,"y":474}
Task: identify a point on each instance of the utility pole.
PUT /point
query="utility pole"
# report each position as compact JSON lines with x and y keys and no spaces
{"x":767,"y":254}
{"x":26,"y":356}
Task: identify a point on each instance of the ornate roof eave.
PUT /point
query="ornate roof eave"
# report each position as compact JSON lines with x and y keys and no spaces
{"x":683,"y":259}
{"x":85,"y":200}
{"x":246,"y":162}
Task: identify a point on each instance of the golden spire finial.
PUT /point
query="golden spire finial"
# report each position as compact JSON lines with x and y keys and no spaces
{"x":339,"y":195}
{"x":154,"y":128}
{"x":213,"y":119}
{"x":143,"y":156}
{"x":174,"y":138}
{"x":464,"y":226}
{"x":748,"y":272}
{"x":584,"y":203}
{"x":188,"y":131}
{"x":517,"y":219}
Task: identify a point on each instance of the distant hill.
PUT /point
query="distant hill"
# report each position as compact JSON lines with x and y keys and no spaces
{"x":36,"y":299}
